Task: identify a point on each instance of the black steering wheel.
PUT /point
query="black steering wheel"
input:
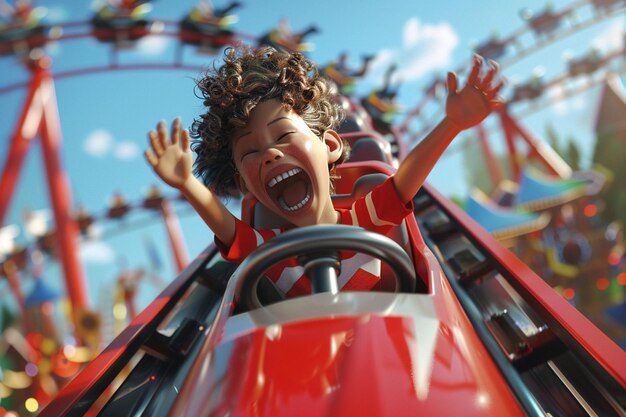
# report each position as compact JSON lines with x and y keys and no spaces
{"x":317,"y":248}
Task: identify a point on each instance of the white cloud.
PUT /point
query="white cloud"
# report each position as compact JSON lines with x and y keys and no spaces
{"x":126,"y":150}
{"x":96,"y":252}
{"x":152,"y":45}
{"x":98,"y":143}
{"x":579,"y":103}
{"x":426,"y":48}
{"x":57,"y":13}
{"x":36,"y":222}
{"x":411,"y":33}
{"x":556,"y":95}
{"x":7,"y":238}
{"x":612,"y":38}
{"x":563,"y":104}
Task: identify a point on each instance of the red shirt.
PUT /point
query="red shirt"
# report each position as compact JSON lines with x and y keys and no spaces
{"x":379,"y":211}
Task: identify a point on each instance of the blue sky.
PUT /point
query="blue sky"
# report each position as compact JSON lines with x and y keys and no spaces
{"x":105,"y":116}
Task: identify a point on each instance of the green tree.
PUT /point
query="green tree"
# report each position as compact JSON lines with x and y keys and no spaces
{"x":572,"y":155}
{"x":609,"y":152}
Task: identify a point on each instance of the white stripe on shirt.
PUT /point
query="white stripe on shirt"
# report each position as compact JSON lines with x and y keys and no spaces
{"x":371,"y":209}
{"x":359,"y":261}
{"x":288,"y":277}
{"x":259,"y":238}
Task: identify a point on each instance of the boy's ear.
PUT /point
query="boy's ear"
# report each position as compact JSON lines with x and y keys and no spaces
{"x":241,"y":183}
{"x":334,"y":145}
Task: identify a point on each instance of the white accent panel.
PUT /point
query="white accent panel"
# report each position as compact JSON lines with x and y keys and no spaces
{"x":355,"y":219}
{"x":371,"y":209}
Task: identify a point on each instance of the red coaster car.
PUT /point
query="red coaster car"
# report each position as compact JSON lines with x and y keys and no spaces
{"x":460,"y":327}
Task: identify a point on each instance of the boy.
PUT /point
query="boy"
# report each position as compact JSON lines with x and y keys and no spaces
{"x":268,"y":131}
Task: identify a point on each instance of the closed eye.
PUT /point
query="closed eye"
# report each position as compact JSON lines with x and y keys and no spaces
{"x":285,"y":135}
{"x":247,"y":153}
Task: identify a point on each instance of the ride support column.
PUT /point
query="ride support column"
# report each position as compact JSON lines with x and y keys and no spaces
{"x":25,"y":131}
{"x":66,"y":229}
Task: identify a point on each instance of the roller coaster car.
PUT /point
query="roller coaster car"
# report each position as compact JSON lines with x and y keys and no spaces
{"x":529,"y":91}
{"x":547,"y":22}
{"x":492,"y":49}
{"x":584,"y":65}
{"x":209,"y":38}
{"x":294,"y":44}
{"x":209,"y":34}
{"x":459,"y":326}
{"x":121,"y":29}
{"x":606,"y":5}
{"x":22,"y":39}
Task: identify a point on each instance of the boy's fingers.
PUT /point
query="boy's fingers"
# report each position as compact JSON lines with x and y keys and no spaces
{"x":162,"y":130}
{"x":175,"y":130}
{"x":155,"y":142}
{"x":452,"y":83}
{"x":493,"y":70}
{"x":490,"y":94}
{"x":150,"y":157}
{"x":473,"y":77}
{"x":185,"y":140}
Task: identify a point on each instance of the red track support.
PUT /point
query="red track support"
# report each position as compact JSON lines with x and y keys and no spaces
{"x":508,"y":127}
{"x":538,"y":150}
{"x":58,"y":185}
{"x":26,"y":129}
{"x":40,"y":115}
{"x":492,"y":163}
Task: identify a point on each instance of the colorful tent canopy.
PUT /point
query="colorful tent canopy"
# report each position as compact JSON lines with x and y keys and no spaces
{"x":500,"y":221}
{"x":41,"y":293}
{"x":537,"y":191}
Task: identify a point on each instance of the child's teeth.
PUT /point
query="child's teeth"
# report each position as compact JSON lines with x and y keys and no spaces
{"x":301,"y":204}
{"x":278,"y":178}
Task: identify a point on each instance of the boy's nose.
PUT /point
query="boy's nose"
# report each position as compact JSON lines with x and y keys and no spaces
{"x":271,"y":155}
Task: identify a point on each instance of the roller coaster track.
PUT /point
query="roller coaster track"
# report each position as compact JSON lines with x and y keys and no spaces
{"x":549,"y":21}
{"x":67,"y":32}
{"x":568,"y":90}
{"x":582,"y":67}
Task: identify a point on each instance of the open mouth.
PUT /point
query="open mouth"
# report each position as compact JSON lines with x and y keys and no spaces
{"x":291,"y":190}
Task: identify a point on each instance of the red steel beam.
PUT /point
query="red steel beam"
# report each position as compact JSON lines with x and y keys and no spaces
{"x":538,"y":150}
{"x":25,"y":131}
{"x":509,"y":133}
{"x":492,"y":163}
{"x":66,"y":229}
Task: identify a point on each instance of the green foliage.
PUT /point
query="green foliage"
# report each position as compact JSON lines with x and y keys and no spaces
{"x":7,"y":317}
{"x":572,"y":155}
{"x":609,"y":152}
{"x":569,"y":152}
{"x":476,"y":171}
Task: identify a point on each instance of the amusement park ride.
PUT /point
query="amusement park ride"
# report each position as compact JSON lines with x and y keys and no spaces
{"x":464,"y":327}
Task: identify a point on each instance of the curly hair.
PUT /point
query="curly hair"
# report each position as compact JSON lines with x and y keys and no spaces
{"x":248,"y":77}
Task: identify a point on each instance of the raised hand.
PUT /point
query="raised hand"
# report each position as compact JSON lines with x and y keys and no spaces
{"x":171,"y":160}
{"x":477,"y":99}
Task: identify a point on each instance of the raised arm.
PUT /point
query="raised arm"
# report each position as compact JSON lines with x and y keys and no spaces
{"x":464,"y":109}
{"x":171,"y":161}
